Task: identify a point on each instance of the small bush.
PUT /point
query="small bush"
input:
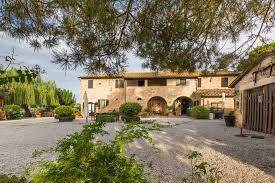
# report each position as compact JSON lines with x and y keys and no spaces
{"x":129,"y":111}
{"x":15,"y":108}
{"x":12,"y":179}
{"x":12,"y":115}
{"x":201,"y":171}
{"x":199,"y":112}
{"x":64,"y":112}
{"x":105,"y":118}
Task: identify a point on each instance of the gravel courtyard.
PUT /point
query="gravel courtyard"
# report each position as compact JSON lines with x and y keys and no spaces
{"x":240,"y":159}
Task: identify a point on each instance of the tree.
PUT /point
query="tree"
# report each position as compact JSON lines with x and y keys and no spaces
{"x":168,"y":34}
{"x":65,"y":97}
{"x":255,"y":56}
{"x":32,"y":93}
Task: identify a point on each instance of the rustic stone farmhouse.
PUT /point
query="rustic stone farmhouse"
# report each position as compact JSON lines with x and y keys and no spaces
{"x":255,"y":96}
{"x":157,"y":90}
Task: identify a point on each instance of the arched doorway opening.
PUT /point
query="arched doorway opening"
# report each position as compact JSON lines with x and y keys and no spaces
{"x":157,"y":105}
{"x":182,"y":104}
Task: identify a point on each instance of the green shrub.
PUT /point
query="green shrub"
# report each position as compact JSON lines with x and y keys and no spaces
{"x":105,"y":118}
{"x":15,"y":108}
{"x":81,"y":158}
{"x":64,"y":112}
{"x":13,"y":115}
{"x":200,"y":112}
{"x":129,"y":111}
{"x":12,"y":179}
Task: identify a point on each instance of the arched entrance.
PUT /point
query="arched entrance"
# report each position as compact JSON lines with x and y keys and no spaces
{"x":182,"y":104}
{"x":157,"y":105}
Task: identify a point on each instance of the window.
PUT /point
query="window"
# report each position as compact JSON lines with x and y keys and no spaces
{"x":119,"y":83}
{"x":157,"y":82}
{"x":181,"y":82}
{"x":103,"y":103}
{"x":224,"y":82}
{"x":135,"y":83}
{"x":141,"y":82}
{"x":199,"y":82}
{"x":90,"y":84}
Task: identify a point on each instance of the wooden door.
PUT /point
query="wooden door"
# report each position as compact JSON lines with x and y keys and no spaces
{"x":259,"y":109}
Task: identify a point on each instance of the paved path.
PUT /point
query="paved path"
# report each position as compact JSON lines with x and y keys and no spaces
{"x":241,"y":159}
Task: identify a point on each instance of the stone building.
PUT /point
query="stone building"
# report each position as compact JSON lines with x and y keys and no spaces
{"x":157,"y":90}
{"x":254,"y":91}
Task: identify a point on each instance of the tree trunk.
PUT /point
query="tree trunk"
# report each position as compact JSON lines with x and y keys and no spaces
{"x":27,"y":111}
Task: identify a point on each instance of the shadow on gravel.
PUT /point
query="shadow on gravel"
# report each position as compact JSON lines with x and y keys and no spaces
{"x":174,"y":143}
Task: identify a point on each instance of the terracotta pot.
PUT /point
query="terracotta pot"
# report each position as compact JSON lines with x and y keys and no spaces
{"x":3,"y":115}
{"x":38,"y":115}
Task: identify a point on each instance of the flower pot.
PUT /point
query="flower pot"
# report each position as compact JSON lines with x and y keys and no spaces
{"x":229,"y":120}
{"x":3,"y":115}
{"x":38,"y":115}
{"x":211,"y":116}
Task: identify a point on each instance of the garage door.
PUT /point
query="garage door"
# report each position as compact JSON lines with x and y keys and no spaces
{"x":259,"y":109}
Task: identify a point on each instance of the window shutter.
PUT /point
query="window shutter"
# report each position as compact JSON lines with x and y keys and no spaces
{"x":116,"y":83}
{"x":107,"y":102}
{"x":199,"y":82}
{"x":90,"y":84}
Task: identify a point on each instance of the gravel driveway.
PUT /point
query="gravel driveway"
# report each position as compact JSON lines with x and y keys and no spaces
{"x":240,"y":159}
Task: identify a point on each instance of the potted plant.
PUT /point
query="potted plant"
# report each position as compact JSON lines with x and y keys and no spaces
{"x":230,"y":119}
{"x":64,"y":114}
{"x":38,"y":113}
{"x":211,"y":113}
{"x":78,"y":114}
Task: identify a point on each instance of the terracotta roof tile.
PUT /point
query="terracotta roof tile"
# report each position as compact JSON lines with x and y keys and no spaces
{"x":214,"y":92}
{"x":130,"y":75}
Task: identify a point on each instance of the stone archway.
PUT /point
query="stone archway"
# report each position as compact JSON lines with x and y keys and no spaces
{"x":157,"y":105}
{"x":181,"y":105}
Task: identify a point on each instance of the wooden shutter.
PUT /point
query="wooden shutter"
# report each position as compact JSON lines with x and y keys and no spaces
{"x":90,"y":84}
{"x":199,"y":82}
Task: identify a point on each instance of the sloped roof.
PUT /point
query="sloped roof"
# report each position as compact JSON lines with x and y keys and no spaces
{"x":245,"y":72}
{"x":133,"y":75}
{"x":214,"y":92}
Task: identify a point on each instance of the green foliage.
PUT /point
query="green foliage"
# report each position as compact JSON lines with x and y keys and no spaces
{"x":64,"y":112}
{"x":15,"y":108}
{"x":175,"y":35}
{"x":199,"y":112}
{"x":130,"y":109}
{"x":105,"y":118}
{"x":19,"y":75}
{"x":255,"y":56}
{"x":201,"y":171}
{"x":81,"y":158}
{"x":65,"y":97}
{"x":12,"y":179}
{"x":12,"y":115}
{"x":34,"y":93}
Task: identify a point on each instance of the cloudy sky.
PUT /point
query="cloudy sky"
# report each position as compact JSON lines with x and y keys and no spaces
{"x":69,"y":79}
